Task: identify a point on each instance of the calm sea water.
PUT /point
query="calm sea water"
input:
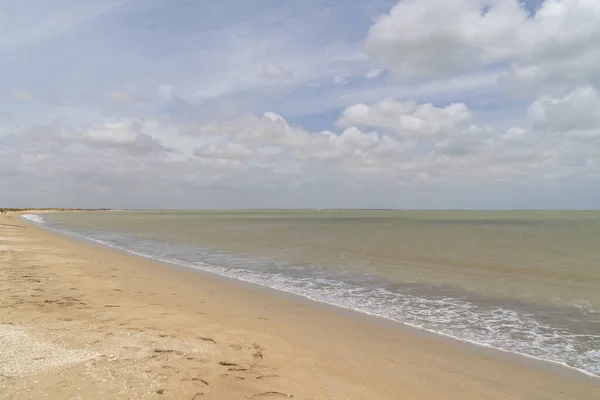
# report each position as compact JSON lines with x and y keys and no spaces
{"x":524,"y":282}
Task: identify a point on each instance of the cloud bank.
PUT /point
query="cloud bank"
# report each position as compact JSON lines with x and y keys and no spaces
{"x":410,"y":104}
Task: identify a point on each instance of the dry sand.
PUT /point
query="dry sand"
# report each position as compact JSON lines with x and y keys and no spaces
{"x":82,"y":321}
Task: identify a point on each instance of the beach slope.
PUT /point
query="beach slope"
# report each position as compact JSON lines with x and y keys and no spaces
{"x":82,"y":321}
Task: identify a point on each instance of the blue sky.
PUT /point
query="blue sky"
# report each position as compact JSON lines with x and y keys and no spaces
{"x":314,"y":103}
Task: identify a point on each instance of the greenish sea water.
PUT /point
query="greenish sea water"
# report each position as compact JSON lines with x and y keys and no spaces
{"x":522,"y":281}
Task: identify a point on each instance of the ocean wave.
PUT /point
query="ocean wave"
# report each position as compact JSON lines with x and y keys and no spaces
{"x":493,"y":327}
{"x":38,"y":219}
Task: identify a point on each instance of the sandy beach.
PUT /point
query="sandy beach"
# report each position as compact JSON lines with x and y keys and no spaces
{"x":82,"y":321}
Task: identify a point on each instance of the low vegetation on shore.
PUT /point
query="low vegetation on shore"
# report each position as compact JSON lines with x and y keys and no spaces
{"x":54,"y":209}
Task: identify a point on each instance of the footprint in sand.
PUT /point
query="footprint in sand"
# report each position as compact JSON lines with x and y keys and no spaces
{"x":228,"y":364}
{"x":201,"y":381}
{"x":262,"y":377}
{"x":224,"y":376}
{"x":273,"y":394}
{"x":258,"y":354}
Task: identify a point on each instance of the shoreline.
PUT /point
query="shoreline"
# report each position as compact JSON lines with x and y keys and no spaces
{"x":487,"y":350}
{"x":398,"y":360}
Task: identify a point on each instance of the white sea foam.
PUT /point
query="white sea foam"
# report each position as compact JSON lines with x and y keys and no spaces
{"x":34,"y":217}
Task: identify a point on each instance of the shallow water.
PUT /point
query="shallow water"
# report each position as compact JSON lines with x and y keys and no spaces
{"x":525,"y":282}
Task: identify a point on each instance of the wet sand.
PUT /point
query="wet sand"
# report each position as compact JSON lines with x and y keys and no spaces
{"x":81,"y":320}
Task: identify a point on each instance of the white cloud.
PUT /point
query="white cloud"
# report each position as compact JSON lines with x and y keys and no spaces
{"x":123,"y":96}
{"x":462,"y":144}
{"x":122,"y":135}
{"x":228,"y":151}
{"x":374,"y":73}
{"x":518,"y":136}
{"x":274,"y":71}
{"x":429,"y":37}
{"x":405,"y":142}
{"x":437,"y":145}
{"x":117,"y":134}
{"x":438,"y":37}
{"x":408,"y":119}
{"x":577,"y":114}
{"x":271,"y":140}
{"x":342,"y":79}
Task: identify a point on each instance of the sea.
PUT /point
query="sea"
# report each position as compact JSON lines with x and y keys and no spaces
{"x":525,"y":282}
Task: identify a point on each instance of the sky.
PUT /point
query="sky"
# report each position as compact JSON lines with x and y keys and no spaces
{"x":411,"y":104}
